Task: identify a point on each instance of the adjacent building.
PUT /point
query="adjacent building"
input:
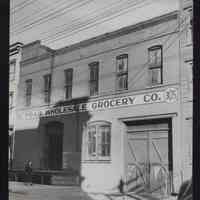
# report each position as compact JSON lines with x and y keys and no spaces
{"x":109,"y":108}
{"x":14,"y":60}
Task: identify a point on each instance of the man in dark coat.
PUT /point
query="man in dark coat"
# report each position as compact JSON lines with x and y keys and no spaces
{"x":28,"y":172}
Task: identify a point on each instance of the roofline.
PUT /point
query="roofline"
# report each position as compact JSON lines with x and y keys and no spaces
{"x":15,"y":48}
{"x":119,"y":32}
{"x":16,"y":44}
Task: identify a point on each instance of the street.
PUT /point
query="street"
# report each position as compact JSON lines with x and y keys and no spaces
{"x":19,"y":191}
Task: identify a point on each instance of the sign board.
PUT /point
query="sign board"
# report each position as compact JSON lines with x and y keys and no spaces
{"x":170,"y":95}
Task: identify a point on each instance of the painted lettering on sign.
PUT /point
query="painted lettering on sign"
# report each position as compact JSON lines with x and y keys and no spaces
{"x":111,"y":103}
{"x":169,"y":96}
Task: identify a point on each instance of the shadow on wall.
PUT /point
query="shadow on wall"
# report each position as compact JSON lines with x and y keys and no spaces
{"x":60,"y":135}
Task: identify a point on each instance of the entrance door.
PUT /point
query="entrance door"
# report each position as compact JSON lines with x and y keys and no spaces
{"x":54,"y":133}
{"x":147,"y":159}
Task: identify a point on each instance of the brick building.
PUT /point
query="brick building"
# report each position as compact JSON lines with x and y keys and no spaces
{"x":109,"y":108}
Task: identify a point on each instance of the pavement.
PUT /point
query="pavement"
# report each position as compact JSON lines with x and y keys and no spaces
{"x":19,"y":191}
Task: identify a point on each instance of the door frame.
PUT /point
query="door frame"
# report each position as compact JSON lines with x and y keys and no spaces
{"x":61,"y":127}
{"x":151,"y":120}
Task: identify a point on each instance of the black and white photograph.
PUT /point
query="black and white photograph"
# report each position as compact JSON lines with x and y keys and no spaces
{"x":100,"y":100}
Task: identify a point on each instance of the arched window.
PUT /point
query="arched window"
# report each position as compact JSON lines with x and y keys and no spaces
{"x":98,"y":140}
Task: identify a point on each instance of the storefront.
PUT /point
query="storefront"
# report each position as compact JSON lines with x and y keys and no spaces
{"x":128,"y":136}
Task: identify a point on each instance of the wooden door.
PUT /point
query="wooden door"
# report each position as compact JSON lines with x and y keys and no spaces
{"x":55,"y":145}
{"x":147,"y":159}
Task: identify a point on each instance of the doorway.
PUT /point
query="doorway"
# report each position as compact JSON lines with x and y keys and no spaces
{"x":54,"y":136}
{"x":149,"y":157}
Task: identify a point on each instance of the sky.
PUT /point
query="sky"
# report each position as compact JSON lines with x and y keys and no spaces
{"x":60,"y":23}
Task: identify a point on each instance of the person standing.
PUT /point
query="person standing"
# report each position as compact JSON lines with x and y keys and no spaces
{"x":28,"y":172}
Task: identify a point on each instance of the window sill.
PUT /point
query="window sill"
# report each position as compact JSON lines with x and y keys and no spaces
{"x":154,"y":86}
{"x":103,"y":161}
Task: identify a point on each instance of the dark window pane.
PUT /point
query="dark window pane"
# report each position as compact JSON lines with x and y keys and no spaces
{"x":122,"y":64}
{"x":94,"y":78}
{"x":28,"y":92}
{"x":155,"y":65}
{"x":155,"y":74}
{"x":122,"y":82}
{"x":47,"y":88}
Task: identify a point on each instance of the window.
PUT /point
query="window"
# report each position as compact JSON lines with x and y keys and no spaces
{"x":47,"y":88}
{"x":28,"y":91}
{"x":12,"y":70}
{"x":94,"y":78}
{"x":68,"y":83}
{"x":122,"y":72}
{"x":155,"y":64}
{"x":11,"y":100}
{"x":98,"y":141}
{"x":189,"y":31}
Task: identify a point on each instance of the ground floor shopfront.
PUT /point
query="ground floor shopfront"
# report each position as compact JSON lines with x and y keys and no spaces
{"x":134,"y":137}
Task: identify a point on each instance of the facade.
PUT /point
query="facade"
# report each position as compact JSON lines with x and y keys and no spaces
{"x":186,"y":66}
{"x":108,"y":108}
{"x":14,"y":60}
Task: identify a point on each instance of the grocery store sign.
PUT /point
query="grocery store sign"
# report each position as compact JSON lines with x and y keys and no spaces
{"x":169,"y":95}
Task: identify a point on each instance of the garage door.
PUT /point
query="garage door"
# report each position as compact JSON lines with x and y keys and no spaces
{"x":148,"y":158}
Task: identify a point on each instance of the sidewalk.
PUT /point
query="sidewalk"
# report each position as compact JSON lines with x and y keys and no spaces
{"x":19,"y":191}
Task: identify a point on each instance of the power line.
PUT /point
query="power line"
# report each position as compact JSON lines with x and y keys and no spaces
{"x":21,"y":5}
{"x":53,"y":15}
{"x":138,"y":75}
{"x":94,"y":18}
{"x":38,"y":13}
{"x":89,"y":25}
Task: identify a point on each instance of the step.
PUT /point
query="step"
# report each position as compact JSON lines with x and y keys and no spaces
{"x":68,"y":180}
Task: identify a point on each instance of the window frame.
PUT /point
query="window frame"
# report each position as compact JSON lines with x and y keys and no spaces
{"x":97,"y":125}
{"x":28,"y":91}
{"x":123,"y":73}
{"x":68,"y":83}
{"x":189,"y":31}
{"x":11,"y":94}
{"x":94,"y":81}
{"x":155,"y":66}
{"x":47,"y":88}
{"x":14,"y":71}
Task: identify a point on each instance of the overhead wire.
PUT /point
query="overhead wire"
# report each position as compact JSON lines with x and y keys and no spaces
{"x":21,"y":6}
{"x":77,"y":22}
{"x":52,"y":16}
{"x":91,"y":24}
{"x":139,"y":74}
{"x":27,"y":19}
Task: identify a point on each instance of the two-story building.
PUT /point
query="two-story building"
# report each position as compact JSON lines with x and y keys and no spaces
{"x":109,"y":108}
{"x":14,"y":60}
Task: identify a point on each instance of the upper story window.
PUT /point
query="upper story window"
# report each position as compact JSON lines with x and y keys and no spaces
{"x":68,"y":83}
{"x":47,"y":88}
{"x":122,"y":72}
{"x":155,"y":64}
{"x":11,"y":99}
{"x":189,"y":31}
{"x":12,"y":70}
{"x":94,"y":78}
{"x":98,"y":140}
{"x":28,"y":91}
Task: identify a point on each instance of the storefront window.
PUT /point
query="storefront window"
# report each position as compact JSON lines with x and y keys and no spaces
{"x":98,"y":141}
